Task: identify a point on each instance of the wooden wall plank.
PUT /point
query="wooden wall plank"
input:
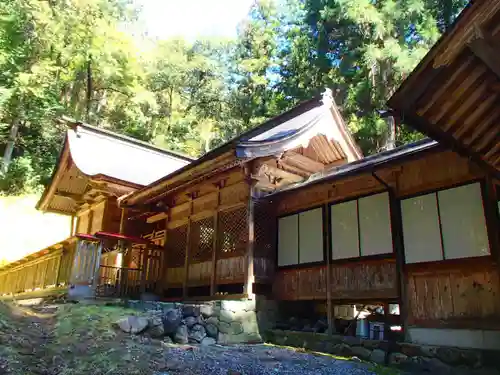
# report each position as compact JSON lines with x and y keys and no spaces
{"x":354,"y":281}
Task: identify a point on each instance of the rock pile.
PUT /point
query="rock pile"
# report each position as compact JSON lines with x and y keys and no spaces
{"x":222,"y":322}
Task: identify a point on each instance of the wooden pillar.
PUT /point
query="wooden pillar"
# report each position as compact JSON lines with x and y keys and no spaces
{"x":72,"y":228}
{"x":490,"y":205}
{"x":328,"y":246}
{"x":188,"y":246}
{"x":397,"y":239}
{"x":89,"y":224}
{"x":144,"y":267}
{"x":162,"y":284}
{"x":123,"y":218}
{"x":249,"y":277}
{"x":213,"y":277}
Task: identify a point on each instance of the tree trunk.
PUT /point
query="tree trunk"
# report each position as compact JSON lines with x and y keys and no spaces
{"x":9,"y":148}
{"x":391,"y":138}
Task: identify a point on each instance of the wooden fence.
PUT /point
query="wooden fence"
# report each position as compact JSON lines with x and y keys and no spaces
{"x":47,"y":268}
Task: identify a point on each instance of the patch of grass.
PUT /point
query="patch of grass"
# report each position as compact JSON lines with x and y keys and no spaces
{"x":89,"y":344}
{"x":383,"y":370}
{"x":87,"y":321}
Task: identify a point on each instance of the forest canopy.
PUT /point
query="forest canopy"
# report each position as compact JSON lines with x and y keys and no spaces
{"x":76,"y":58}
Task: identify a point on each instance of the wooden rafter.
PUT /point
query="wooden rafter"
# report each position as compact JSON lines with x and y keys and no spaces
{"x":68,"y":195}
{"x":484,"y":50}
{"x":302,"y":162}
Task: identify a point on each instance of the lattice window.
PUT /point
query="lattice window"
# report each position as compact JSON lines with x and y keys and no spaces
{"x":135,"y":258}
{"x":232,"y":233}
{"x":202,"y":238}
{"x":176,"y":246}
{"x":265,"y":230}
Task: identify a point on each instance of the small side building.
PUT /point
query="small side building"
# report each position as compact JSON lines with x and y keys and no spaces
{"x":94,"y":168}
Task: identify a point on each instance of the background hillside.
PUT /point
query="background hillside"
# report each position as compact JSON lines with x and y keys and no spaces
{"x":25,"y":230}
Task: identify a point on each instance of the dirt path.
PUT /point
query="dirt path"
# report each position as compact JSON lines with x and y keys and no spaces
{"x":26,"y":338}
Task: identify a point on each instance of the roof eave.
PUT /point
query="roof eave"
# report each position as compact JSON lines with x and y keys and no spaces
{"x":49,"y":191}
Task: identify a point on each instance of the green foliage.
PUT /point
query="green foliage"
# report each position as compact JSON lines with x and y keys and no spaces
{"x":73,"y":58}
{"x":20,"y":177}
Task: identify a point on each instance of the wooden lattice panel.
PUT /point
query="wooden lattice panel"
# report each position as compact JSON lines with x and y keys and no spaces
{"x":176,"y":246}
{"x":265,"y":230}
{"x":202,"y":240}
{"x":232,"y":233}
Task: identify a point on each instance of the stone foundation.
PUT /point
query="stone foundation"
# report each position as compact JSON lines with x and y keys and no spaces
{"x":413,"y":357}
{"x":226,"y":322}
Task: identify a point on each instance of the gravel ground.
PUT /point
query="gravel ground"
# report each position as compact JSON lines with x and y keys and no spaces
{"x":255,"y":360}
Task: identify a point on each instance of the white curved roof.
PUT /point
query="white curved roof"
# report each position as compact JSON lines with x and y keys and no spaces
{"x":98,"y":152}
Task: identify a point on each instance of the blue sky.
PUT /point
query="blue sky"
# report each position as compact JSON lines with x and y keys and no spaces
{"x":192,"y":18}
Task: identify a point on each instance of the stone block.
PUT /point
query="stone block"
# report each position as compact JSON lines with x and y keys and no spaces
{"x":212,"y":330}
{"x":428,"y":351}
{"x":377,"y":356}
{"x":342,"y":349}
{"x":181,"y":335}
{"x":370,"y":344}
{"x":171,"y":321}
{"x":197,"y":333}
{"x":352,"y":340}
{"x":190,"y":310}
{"x":234,"y":306}
{"x":212,"y":320}
{"x":244,"y":338}
{"x":236,"y":328}
{"x":227,"y":316}
{"x":207,"y":310}
{"x":410,"y":350}
{"x":448,"y":355}
{"x":438,"y":367}
{"x":207,"y":341}
{"x":471,"y":358}
{"x":132,"y":324}
{"x":361,"y":352}
{"x":397,"y":358}
{"x":190,"y":321}
{"x":224,"y":327}
{"x":250,"y":324}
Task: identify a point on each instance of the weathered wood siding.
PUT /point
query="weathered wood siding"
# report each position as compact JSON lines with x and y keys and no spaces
{"x":463,"y":294}
{"x":101,"y":216}
{"x":369,"y":280}
{"x":208,"y":224}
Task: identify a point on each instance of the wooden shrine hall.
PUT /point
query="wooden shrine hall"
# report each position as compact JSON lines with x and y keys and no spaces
{"x":94,"y":168}
{"x":291,"y":210}
{"x":219,"y":238}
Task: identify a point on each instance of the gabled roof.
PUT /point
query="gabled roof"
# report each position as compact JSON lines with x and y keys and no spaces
{"x":299,"y":130}
{"x":91,"y":153}
{"x":368,"y":164}
{"x":453,"y":94}
{"x":318,"y":116}
{"x":97,"y":152}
